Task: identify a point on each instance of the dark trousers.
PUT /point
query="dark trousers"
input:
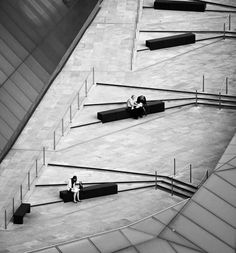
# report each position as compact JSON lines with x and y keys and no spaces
{"x":136,"y":112}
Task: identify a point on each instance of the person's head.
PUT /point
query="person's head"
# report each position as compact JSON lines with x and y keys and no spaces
{"x":74,"y":178}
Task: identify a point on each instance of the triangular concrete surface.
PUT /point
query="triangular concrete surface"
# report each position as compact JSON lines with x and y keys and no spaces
{"x":228,"y":175}
{"x":135,"y":236}
{"x":149,"y":226}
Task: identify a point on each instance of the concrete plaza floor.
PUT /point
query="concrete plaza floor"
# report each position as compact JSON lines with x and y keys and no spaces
{"x":196,"y":135}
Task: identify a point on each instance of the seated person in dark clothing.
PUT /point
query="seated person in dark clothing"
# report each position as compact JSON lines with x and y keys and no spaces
{"x":136,"y":108}
{"x":140,"y":109}
{"x":142,"y":99}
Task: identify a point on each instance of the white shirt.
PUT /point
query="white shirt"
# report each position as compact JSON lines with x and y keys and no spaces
{"x":131,"y":103}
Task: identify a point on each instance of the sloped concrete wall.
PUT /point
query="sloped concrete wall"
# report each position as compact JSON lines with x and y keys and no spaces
{"x":36,"y":37}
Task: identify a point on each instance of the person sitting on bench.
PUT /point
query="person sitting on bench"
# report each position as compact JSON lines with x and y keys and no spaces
{"x":71,"y":187}
{"x":134,"y":108}
{"x":142,"y":99}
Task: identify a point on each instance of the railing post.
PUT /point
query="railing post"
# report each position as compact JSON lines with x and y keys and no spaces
{"x":174,"y":167}
{"x":226,"y":85}
{"x":44,"y":156}
{"x":203,"y":83}
{"x":224,"y":32}
{"x":155,"y":179}
{"x":54,"y":140}
{"x":219,"y":100}
{"x":28,"y":180}
{"x":78,"y":105}
{"x":93,"y":76}
{"x":36,"y":167}
{"x":86,"y":87}
{"x":5,"y":216}
{"x":196,"y":98}
{"x":190,"y":173}
{"x":21,"y":194}
{"x":70,"y":114}
{"x":62,"y":127}
{"x":229,"y":22}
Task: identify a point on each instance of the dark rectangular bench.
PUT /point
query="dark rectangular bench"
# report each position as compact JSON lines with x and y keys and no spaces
{"x":180,"y":5}
{"x":122,"y":113}
{"x":93,"y":191}
{"x":171,"y":41}
{"x":20,"y":213}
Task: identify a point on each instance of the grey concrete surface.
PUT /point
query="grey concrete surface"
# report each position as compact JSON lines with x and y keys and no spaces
{"x":197,"y":135}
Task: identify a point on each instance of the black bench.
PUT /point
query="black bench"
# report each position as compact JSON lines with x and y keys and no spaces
{"x":171,"y":41}
{"x":180,"y":5}
{"x":93,"y":191}
{"x":122,"y":113}
{"x":20,"y":213}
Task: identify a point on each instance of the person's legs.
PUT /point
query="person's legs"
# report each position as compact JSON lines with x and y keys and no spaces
{"x":78,"y":196}
{"x":135,"y":113}
{"x":140,"y":112}
{"x":75,"y":197}
{"x":144,"y":111}
{"x":75,"y":194}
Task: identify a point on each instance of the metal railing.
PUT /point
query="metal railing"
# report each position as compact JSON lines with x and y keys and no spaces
{"x":75,"y":105}
{"x":186,"y":168}
{"x":224,"y":87}
{"x":7,"y":212}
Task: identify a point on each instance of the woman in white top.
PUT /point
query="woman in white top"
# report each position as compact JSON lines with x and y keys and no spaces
{"x":71,"y":186}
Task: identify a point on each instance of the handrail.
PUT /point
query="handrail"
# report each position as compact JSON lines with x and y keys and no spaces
{"x":36,"y":166}
{"x":165,"y":90}
{"x":39,"y":162}
{"x":76,"y":101}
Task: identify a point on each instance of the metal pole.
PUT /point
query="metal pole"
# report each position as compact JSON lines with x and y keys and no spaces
{"x":86,"y":88}
{"x":203,"y":83}
{"x":62,"y":127}
{"x":78,"y":100}
{"x":70,"y":114}
{"x":93,"y":76}
{"x":229,"y":22}
{"x":5,"y":219}
{"x":172,"y":186}
{"x":44,"y":156}
{"x":36,"y":167}
{"x":219,"y":100}
{"x":226,"y":85}
{"x":190,"y":173}
{"x":54,"y":140}
{"x":29,"y":181}
{"x":196,"y":98}
{"x":224,"y":31}
{"x":155,"y":179}
{"x":21,"y":194}
{"x":174,"y":167}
